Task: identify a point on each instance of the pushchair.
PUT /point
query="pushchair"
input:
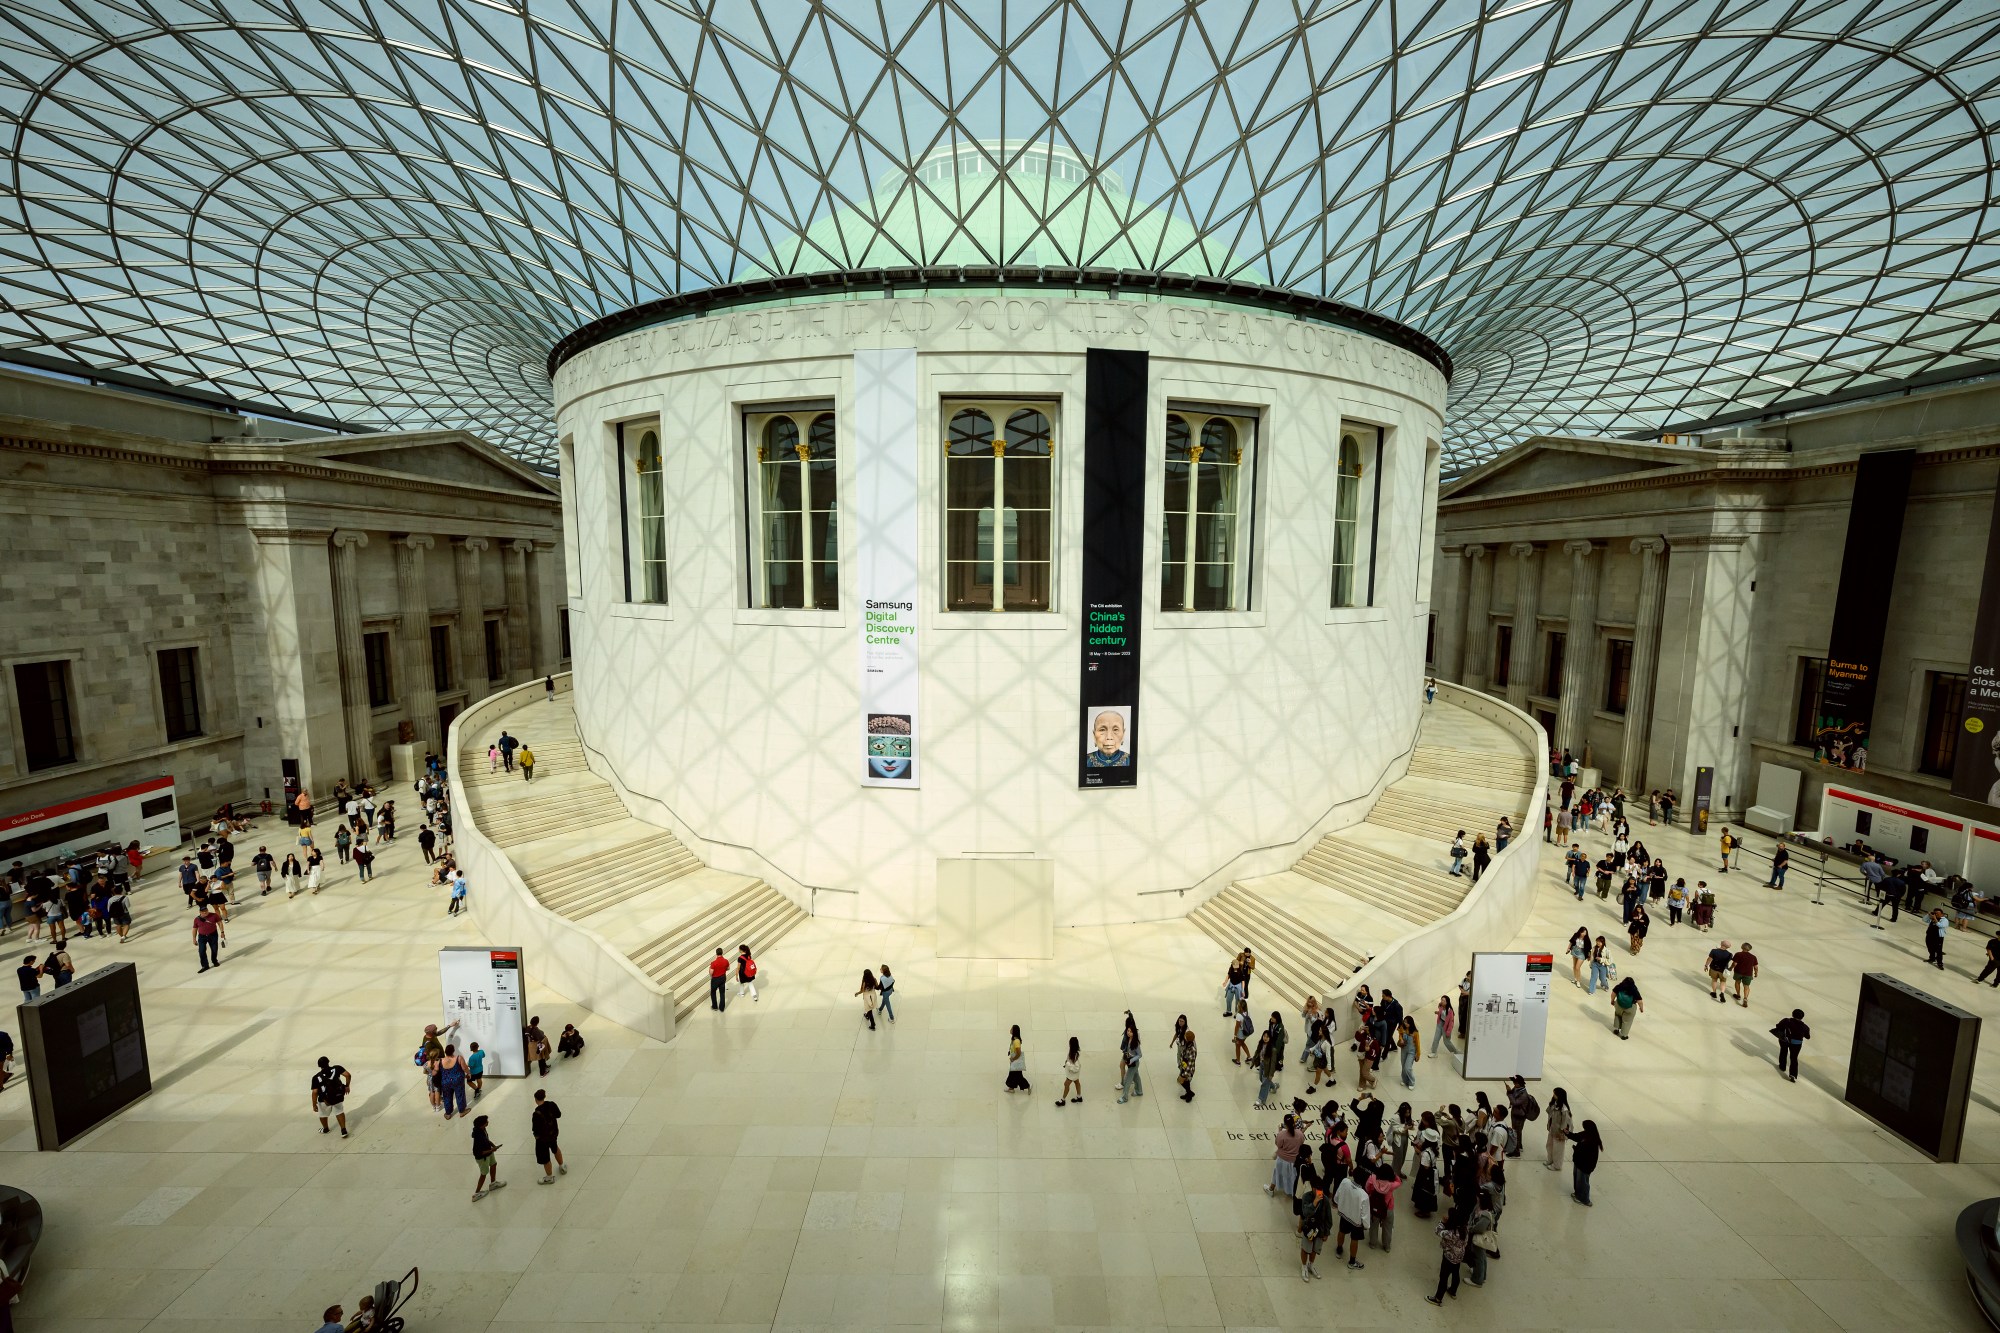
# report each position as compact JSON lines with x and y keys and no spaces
{"x":390,"y":1296}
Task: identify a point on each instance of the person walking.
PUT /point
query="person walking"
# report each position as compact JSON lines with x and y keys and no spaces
{"x":1242,"y":1027}
{"x":746,"y":974}
{"x":493,"y":757}
{"x":1579,"y":954}
{"x":1186,"y":1063}
{"x":31,"y":979}
{"x":1601,"y":965}
{"x":718,"y":986}
{"x":1743,"y":967}
{"x":870,"y":989}
{"x":1072,"y":1074}
{"x":1266,"y":1061}
{"x":527,"y":764}
{"x":507,"y":746}
{"x":888,"y":988}
{"x":329,"y":1094}
{"x":1458,"y":853}
{"x":1452,"y":1244}
{"x":1315,"y":1225}
{"x":364,"y":866}
{"x":1482,"y":857}
{"x":263,"y":864}
{"x":118,"y":909}
{"x":1017,"y":1065}
{"x":1792,"y":1033}
{"x":1411,"y":1046}
{"x":427,"y":843}
{"x":1641,"y":922}
{"x":487,"y":1153}
{"x":1934,"y":930}
{"x":1350,"y":1200}
{"x":1718,"y":961}
{"x":208,"y":938}
{"x":1992,"y":968}
{"x":1781,"y":861}
{"x":1430,"y":691}
{"x":1626,"y":1006}
{"x":542,"y":1122}
{"x":1441,"y":1035}
{"x":1130,"y":1054}
{"x":1585,"y":1149}
{"x":549,"y":688}
{"x":1556,"y":1116}
{"x":293,"y":874}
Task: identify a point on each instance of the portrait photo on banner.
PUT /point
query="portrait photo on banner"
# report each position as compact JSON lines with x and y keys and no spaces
{"x":1109,"y":742}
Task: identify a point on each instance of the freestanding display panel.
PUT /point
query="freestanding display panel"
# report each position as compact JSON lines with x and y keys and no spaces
{"x":1911,"y":1067}
{"x":482,"y":990}
{"x":1509,"y":1024}
{"x":85,"y":1044}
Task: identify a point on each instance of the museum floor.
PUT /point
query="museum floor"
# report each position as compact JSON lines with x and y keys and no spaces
{"x":780,"y":1165}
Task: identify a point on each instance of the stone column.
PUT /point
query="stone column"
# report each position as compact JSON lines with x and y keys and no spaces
{"x":471,"y":617}
{"x":353,"y":657}
{"x":1645,"y":663}
{"x":413,"y":605}
{"x":1448,"y":604}
{"x":1527,"y":629}
{"x":1478,"y":617}
{"x":1579,"y":679}
{"x":520,"y":653}
{"x":1701,"y":691}
{"x":294,"y":644}
{"x":541,"y":656}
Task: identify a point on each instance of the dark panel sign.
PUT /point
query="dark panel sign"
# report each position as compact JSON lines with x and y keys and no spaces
{"x":1114,"y":560}
{"x":1911,"y":1065}
{"x":1861,"y":607}
{"x":1975,"y":771}
{"x":85,"y":1046}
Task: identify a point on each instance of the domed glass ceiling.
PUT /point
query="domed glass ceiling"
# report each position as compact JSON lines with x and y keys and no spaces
{"x":1611,"y":215}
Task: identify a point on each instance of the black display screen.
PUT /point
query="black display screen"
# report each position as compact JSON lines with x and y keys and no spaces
{"x":1911,"y":1066}
{"x":86,"y":1050}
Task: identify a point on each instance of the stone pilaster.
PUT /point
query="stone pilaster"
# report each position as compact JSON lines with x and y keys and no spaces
{"x":541,"y":610}
{"x":1579,"y":678}
{"x":1478,"y":659}
{"x":1704,"y":674}
{"x":520,"y":633}
{"x":1645,"y":662}
{"x":472,"y":667}
{"x":413,"y":606}
{"x":1527,"y":628}
{"x":354,"y":701}
{"x":1448,"y":605}
{"x":292,"y":607}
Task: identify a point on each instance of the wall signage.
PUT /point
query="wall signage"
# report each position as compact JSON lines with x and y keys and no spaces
{"x":1861,"y":607}
{"x":880,"y":509}
{"x":1114,"y":566}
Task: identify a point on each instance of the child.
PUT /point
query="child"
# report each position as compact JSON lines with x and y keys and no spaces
{"x":571,"y":1041}
{"x":475,"y":1071}
{"x":485,"y":1152}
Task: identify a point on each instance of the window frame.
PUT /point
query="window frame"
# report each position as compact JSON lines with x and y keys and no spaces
{"x":1001,"y":411}
{"x":1503,"y":656}
{"x":444,"y":676}
{"x":71,"y":752}
{"x":492,"y":638}
{"x":643,"y":511}
{"x":185,"y":700}
{"x":819,"y":585}
{"x":1245,"y":422}
{"x":1555,"y":652}
{"x":1366,"y":495}
{"x":1617,"y":698}
{"x":382,"y":665}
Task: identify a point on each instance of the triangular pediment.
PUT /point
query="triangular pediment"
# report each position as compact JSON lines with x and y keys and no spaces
{"x":452,"y":456}
{"x":1543,"y":463}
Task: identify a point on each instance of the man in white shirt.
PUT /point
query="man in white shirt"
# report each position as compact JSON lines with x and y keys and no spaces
{"x":353,"y":813}
{"x":1350,"y":1200}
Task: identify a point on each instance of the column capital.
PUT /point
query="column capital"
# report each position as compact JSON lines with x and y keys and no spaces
{"x":1524,"y":549}
{"x":350,"y":537}
{"x":522,"y":544}
{"x":1478,"y":552}
{"x":471,"y":543}
{"x":1649,"y":545}
{"x":1580,"y":546}
{"x":417,"y":541}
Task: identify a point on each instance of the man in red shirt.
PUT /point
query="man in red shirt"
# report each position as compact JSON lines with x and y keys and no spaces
{"x":207,"y":937}
{"x":718,"y":982}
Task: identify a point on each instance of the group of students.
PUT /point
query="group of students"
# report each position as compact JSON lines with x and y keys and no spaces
{"x":92,"y":892}
{"x":1380,"y":1028}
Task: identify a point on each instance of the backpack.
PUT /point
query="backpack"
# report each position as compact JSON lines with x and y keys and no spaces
{"x":1534,"y":1108}
{"x":750,"y":969}
{"x":1453,"y":1244}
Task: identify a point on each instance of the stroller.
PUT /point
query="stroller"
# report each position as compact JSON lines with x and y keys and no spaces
{"x":390,"y":1296}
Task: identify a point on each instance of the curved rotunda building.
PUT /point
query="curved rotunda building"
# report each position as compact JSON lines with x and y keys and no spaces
{"x":1076,"y":583}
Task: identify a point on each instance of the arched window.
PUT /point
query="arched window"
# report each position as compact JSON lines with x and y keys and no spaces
{"x":999,"y":506}
{"x":646,"y":544}
{"x":795,"y":542}
{"x":1359,"y":450}
{"x":1204,"y":551}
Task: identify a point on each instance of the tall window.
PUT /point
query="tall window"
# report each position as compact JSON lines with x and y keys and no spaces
{"x":1503,"y":655}
{"x":646,"y":543}
{"x":562,"y":630}
{"x":180,"y":694}
{"x":1353,"y":541}
{"x":794,"y":539}
{"x":999,"y":496}
{"x":375,"y":648}
{"x":1944,"y":706}
{"x":48,"y":726}
{"x":441,"y":673}
{"x":1617,"y":675}
{"x":1805,"y":721}
{"x":1204,"y":540}
{"x":495,"y":661}
{"x":1552,"y":664}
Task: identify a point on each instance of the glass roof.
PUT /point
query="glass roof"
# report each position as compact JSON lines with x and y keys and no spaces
{"x":1611,"y":215}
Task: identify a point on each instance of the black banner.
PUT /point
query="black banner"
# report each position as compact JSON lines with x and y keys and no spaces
{"x":1114,"y":566}
{"x":1861,"y":607}
{"x":1975,"y":770}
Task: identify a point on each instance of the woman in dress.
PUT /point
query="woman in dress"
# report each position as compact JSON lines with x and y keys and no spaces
{"x":1186,"y":1063}
{"x":1319,"y":1056}
{"x":293,"y":874}
{"x":1072,"y":1074}
{"x":1557,"y":1116}
{"x":1579,"y":954}
{"x":1402,"y":1130}
{"x":1017,"y":1065}
{"x":1285,"y":1159}
{"x":870,"y":990}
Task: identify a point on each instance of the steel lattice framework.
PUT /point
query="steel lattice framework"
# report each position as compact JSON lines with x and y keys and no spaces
{"x":1610,"y":214}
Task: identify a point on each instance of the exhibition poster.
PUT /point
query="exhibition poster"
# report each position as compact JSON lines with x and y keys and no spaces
{"x":482,"y":992}
{"x":1114,"y":566}
{"x":1975,"y":773}
{"x":880,"y":509}
{"x":1509,"y":1023}
{"x":1861,"y":607}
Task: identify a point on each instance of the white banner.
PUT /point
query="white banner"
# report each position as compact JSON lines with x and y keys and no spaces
{"x":1509,"y":1024}
{"x":880,"y":509}
{"x":482,"y":990}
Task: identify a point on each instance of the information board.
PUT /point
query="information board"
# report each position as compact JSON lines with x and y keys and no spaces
{"x":1910,"y":1068}
{"x":482,"y":991}
{"x":1509,"y":1023}
{"x":85,"y":1045}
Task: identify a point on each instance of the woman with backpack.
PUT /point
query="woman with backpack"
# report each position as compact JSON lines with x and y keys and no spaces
{"x":1242,"y":1027}
{"x":1452,"y":1244}
{"x":746,"y":973}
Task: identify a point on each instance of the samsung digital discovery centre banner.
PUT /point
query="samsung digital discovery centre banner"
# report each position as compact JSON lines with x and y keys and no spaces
{"x":881,"y":511}
{"x":1114,"y":559}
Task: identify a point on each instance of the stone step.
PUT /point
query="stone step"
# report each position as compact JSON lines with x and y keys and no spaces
{"x":1419,"y":913}
{"x":1292,"y":957}
{"x":1351,"y":862}
{"x":531,"y":828}
{"x":1278,"y":973}
{"x":696,"y":937}
{"x":584,"y":900}
{"x":589,"y":864}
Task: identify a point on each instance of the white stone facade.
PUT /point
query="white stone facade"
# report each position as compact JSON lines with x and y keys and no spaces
{"x":741,"y":722}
